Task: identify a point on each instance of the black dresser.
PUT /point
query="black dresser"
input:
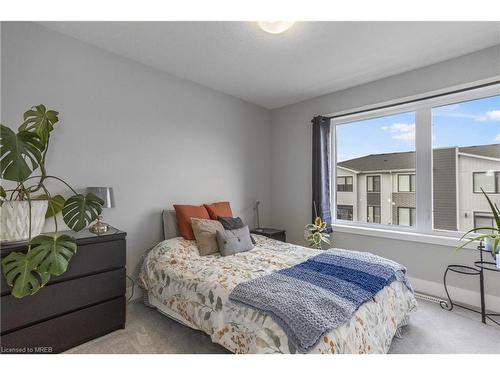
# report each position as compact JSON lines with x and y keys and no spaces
{"x":85,"y":302}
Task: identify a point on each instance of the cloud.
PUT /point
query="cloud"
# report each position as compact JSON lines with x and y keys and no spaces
{"x":497,"y":138}
{"x":490,"y":116}
{"x":401,"y":131}
{"x":405,"y":136}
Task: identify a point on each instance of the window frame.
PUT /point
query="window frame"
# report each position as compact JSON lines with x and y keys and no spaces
{"x":347,"y":207}
{"x":495,"y":182}
{"x":410,"y":216}
{"x":423,"y":152}
{"x":372,"y":176}
{"x":410,"y":184}
{"x":374,"y":216}
{"x":484,"y":215}
{"x":345,"y":184}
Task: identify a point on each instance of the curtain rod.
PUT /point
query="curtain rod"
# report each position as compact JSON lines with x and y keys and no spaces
{"x":416,"y":100}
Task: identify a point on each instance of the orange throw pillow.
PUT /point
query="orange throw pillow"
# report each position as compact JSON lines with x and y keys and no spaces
{"x":184,"y":214}
{"x":217,"y":209}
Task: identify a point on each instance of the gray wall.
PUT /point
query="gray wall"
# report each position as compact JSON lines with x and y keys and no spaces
{"x":156,"y":139}
{"x":291,"y":159}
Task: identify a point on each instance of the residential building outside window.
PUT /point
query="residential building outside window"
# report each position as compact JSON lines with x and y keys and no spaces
{"x":456,"y":137}
{"x":466,"y":158}
{"x":344,"y":183}
{"x":373,"y":152}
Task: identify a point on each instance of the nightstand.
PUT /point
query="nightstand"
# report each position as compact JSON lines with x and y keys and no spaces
{"x":275,"y":234}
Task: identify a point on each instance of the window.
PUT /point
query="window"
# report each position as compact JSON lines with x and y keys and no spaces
{"x":376,"y":150}
{"x":406,"y":183}
{"x":344,"y":212}
{"x":373,"y":214}
{"x":488,"y":181}
{"x":344,"y":183}
{"x":483,"y":220}
{"x":466,"y":156}
{"x":373,"y":184}
{"x":406,"y":216}
{"x":455,"y":140}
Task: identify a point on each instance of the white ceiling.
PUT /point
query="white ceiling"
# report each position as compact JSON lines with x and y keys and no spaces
{"x":310,"y":59}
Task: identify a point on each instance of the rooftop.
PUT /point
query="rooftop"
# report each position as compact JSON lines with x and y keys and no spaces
{"x":406,"y":160}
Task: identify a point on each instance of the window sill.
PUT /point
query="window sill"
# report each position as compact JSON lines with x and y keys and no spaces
{"x":434,"y":239}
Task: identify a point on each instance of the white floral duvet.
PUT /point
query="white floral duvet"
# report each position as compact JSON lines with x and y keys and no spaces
{"x":195,"y":290}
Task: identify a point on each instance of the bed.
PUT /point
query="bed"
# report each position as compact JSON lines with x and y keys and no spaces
{"x":194,"y":290}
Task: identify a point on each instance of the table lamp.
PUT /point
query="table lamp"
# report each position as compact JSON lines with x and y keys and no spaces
{"x":106,"y":194}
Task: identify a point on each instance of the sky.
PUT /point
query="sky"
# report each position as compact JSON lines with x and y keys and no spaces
{"x":469,"y":123}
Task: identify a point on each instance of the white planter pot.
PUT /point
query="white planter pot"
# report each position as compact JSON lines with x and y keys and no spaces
{"x":498,"y":261}
{"x":14,"y":219}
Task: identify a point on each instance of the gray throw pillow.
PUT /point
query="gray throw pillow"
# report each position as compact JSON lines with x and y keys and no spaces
{"x":233,"y":223}
{"x":233,"y":241}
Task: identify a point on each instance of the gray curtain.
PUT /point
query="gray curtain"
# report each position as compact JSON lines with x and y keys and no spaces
{"x":321,"y":148}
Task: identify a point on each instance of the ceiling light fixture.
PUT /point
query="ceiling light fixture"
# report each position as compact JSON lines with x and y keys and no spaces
{"x":275,"y":27}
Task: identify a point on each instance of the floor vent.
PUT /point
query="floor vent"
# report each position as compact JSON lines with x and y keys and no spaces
{"x":426,"y":297}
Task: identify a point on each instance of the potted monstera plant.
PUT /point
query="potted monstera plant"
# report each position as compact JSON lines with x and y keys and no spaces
{"x":27,"y":201}
{"x":492,"y":239}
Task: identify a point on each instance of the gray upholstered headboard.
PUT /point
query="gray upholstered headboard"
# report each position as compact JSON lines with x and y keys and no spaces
{"x":170,"y":228}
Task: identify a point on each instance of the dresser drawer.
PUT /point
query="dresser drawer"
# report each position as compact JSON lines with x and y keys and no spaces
{"x":59,"y":298}
{"x":66,"y":331}
{"x":89,"y":259}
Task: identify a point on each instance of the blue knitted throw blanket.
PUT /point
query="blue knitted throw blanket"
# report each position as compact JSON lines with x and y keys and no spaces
{"x":312,"y":298}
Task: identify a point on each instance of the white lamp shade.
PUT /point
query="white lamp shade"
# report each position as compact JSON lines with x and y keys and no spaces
{"x":105,"y":193}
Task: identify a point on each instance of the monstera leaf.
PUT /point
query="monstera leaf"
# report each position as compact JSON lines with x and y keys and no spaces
{"x":80,"y":210}
{"x":51,"y":254}
{"x":20,"y":153}
{"x":21,"y":274}
{"x":40,"y":121}
{"x":55,"y":204}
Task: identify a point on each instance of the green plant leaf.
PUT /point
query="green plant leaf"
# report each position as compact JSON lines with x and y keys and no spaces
{"x":40,"y":121}
{"x":51,"y":254}
{"x":20,"y":154}
{"x":80,"y":210}
{"x":317,"y":237}
{"x":55,"y":204}
{"x":21,"y":274}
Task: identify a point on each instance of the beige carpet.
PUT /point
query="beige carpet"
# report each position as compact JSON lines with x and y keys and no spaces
{"x":431,"y":330}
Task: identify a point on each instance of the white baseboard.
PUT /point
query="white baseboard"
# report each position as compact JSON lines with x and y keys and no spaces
{"x":459,"y":295}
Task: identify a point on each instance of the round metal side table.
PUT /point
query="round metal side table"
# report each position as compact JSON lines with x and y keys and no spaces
{"x":478,"y":269}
